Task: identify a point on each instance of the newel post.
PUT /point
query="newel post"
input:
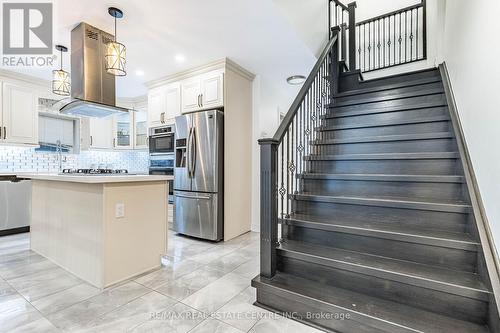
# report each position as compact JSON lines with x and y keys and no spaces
{"x":268,"y":206}
{"x":334,"y":62}
{"x":351,"y":8}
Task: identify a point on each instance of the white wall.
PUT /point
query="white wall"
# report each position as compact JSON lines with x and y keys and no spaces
{"x":471,"y":52}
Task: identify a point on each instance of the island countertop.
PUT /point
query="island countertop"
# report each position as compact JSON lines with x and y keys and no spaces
{"x":95,"y":179}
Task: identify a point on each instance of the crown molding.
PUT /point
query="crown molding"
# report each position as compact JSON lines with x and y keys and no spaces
{"x":32,"y":80}
{"x":220,"y":64}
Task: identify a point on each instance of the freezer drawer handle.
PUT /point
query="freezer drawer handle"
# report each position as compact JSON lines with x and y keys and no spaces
{"x":192,"y":197}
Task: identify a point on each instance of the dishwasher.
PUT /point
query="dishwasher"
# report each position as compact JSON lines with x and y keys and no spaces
{"x":15,"y":206}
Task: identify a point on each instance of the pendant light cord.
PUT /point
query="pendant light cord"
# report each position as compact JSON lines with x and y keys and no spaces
{"x":115,"y":28}
{"x":61,"y":59}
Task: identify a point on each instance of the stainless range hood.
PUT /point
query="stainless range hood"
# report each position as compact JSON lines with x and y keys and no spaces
{"x":92,"y":88}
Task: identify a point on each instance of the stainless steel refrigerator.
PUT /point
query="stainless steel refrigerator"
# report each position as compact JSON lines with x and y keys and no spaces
{"x":199,"y":175}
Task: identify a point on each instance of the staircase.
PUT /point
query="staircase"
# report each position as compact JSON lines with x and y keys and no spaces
{"x":368,"y":226}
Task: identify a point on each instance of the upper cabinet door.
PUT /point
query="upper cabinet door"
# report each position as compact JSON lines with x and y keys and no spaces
{"x":156,"y":107}
{"x":123,"y":129}
{"x":173,"y":102}
{"x":101,"y":133}
{"x":141,"y":128}
{"x":212,"y":94}
{"x":20,"y":115}
{"x":191,"y":95}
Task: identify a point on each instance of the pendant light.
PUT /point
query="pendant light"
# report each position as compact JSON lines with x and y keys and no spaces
{"x":115,"y":52}
{"x":60,"y":78}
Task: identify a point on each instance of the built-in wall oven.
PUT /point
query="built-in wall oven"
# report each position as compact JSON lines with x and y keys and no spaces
{"x":161,"y":154}
{"x":161,"y":140}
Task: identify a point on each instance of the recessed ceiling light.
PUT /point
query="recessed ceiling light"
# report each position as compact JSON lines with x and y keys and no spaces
{"x":296,"y":79}
{"x":139,"y":72}
{"x":180,"y":58}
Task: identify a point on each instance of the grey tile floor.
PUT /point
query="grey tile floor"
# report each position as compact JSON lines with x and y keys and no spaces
{"x":205,"y":288}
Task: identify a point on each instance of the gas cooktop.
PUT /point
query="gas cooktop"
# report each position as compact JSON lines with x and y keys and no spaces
{"x":90,"y":172}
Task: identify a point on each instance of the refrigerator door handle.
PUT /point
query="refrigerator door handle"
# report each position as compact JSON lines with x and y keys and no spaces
{"x":193,"y":151}
{"x":205,"y":197}
{"x":188,"y":152}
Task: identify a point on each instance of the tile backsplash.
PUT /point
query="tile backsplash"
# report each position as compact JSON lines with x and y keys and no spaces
{"x":19,"y":159}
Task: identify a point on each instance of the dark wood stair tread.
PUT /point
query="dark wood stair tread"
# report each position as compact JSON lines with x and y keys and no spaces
{"x":386,"y":138}
{"x":384,"y":177}
{"x":394,"y":202}
{"x":370,"y":310}
{"x":385,"y":230}
{"x":390,"y":97}
{"x":392,"y":86}
{"x":394,"y":122}
{"x":394,"y":108}
{"x":432,"y":277}
{"x":384,"y":156}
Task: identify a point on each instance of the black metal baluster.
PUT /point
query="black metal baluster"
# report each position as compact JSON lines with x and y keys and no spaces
{"x":378,"y":44}
{"x":282,"y":187}
{"x":416,"y":35}
{"x":383,"y":40}
{"x":400,"y":40}
{"x":369,"y":46}
{"x":364,"y":47}
{"x":288,"y":172}
{"x":411,"y":35}
{"x":359,"y":47}
{"x":389,"y":41}
{"x":406,"y":37}
{"x":295,"y":151}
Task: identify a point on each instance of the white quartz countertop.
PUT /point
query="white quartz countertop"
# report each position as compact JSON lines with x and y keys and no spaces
{"x":96,"y":179}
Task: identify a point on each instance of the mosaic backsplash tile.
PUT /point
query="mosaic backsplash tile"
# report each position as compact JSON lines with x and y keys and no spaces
{"x":19,"y":159}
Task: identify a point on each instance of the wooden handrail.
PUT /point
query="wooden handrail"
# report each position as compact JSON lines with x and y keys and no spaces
{"x":395,"y":12}
{"x":340,"y":4}
{"x":280,"y":133}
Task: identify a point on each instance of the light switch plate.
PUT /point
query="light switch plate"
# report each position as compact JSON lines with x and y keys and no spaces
{"x":120,"y":210}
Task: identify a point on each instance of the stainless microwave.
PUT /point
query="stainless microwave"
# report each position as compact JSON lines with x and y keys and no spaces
{"x":161,"y":140}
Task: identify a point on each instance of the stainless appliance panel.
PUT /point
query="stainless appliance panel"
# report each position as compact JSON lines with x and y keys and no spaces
{"x":183,"y":127}
{"x":15,"y":205}
{"x":198,"y":215}
{"x":205,"y":150}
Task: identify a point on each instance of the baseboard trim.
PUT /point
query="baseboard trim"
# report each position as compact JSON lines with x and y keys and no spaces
{"x":486,"y":236}
{"x":14,"y":231}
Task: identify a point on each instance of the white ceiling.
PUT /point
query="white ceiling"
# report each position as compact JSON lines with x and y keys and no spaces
{"x":254,"y":33}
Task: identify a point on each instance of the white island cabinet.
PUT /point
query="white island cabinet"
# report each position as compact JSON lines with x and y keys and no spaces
{"x":103,"y":229}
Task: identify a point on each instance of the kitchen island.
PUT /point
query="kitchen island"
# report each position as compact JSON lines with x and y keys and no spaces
{"x":102,"y":228}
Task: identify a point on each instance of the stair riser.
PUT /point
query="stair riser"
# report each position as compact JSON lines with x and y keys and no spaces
{"x":301,"y":307}
{"x":445,"y":303}
{"x":413,"y":146}
{"x":387,"y":116}
{"x":402,"y":102}
{"x":430,"y":191}
{"x":398,"y":79}
{"x":420,"y":128}
{"x":399,"y":167}
{"x":392,"y":93}
{"x":426,"y":254}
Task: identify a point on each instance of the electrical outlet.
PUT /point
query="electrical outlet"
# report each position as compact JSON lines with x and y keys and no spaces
{"x":120,"y":210}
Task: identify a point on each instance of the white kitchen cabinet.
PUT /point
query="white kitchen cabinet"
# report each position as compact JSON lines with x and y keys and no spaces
{"x":212,"y":90}
{"x":101,"y":133}
{"x":164,"y":104}
{"x":191,"y":92}
{"x":203,"y":92}
{"x":19,"y":120}
{"x":156,"y":106}
{"x":173,"y":102}
{"x":141,"y":128}
{"x":123,"y":131}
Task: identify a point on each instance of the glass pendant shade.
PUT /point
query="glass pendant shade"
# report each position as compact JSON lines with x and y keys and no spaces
{"x":61,"y":83}
{"x":115,"y":58}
